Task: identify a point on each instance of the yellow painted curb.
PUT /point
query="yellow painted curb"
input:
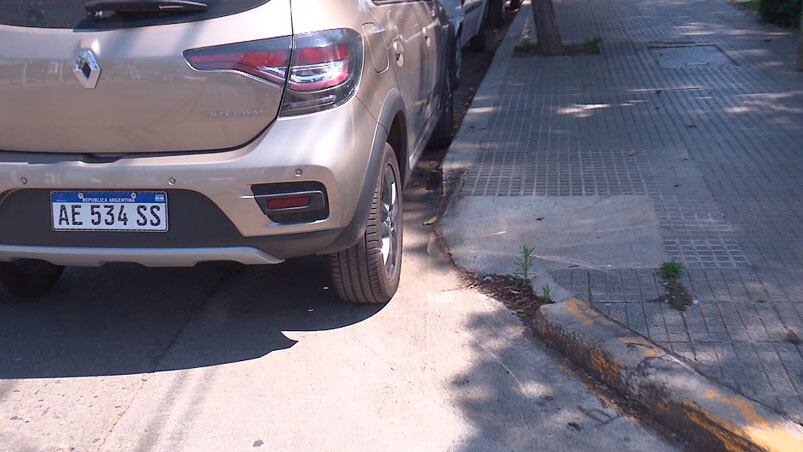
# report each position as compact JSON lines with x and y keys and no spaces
{"x":704,"y":412}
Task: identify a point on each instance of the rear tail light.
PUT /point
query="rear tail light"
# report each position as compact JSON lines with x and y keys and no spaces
{"x":324,"y":70}
{"x":320,"y":70}
{"x":266,"y":59}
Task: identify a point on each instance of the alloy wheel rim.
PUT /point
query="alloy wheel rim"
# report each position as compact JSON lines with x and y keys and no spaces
{"x":389,"y":204}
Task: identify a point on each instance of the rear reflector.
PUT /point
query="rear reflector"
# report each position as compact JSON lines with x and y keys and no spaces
{"x":287,"y":203}
{"x":292,"y":202}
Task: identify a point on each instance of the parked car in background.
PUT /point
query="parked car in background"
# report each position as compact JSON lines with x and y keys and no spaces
{"x":469,"y":20}
{"x":173,"y":132}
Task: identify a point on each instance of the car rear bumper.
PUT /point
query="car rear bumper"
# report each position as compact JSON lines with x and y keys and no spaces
{"x":149,"y":257}
{"x":211,"y":204}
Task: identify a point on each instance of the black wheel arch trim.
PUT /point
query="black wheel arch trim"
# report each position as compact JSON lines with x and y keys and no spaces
{"x":393,"y":106}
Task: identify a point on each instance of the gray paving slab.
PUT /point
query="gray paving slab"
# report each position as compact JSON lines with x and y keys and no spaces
{"x":693,"y":105}
{"x":583,"y":231}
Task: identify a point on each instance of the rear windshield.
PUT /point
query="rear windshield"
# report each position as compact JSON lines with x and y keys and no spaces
{"x":71,"y":14}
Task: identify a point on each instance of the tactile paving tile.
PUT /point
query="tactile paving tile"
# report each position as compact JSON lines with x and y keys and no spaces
{"x":706,"y":252}
{"x":689,"y":56}
{"x":506,"y":171}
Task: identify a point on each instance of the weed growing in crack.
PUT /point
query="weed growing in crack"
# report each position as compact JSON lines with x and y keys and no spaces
{"x":529,"y":48}
{"x":671,"y":270}
{"x":675,"y":294}
{"x":525,"y":48}
{"x":524,"y":264}
{"x":546,"y":292}
{"x":592,"y":46}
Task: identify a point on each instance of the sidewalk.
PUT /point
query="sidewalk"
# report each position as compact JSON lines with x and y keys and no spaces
{"x":683,"y":140}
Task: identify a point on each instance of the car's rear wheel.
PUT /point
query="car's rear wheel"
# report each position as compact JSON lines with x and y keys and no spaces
{"x":25,"y":280}
{"x":515,"y":4}
{"x":369,"y":271}
{"x":496,"y":12}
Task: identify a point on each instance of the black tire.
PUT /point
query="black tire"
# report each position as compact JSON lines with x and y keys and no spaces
{"x":360,"y":274}
{"x":515,"y":4}
{"x":26,"y":280}
{"x":442,"y":135}
{"x":480,"y":41}
{"x":496,"y":12}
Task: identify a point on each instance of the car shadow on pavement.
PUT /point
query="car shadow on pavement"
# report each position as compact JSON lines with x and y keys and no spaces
{"x":126,"y":319}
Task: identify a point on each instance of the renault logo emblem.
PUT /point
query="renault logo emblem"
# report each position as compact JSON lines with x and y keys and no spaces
{"x":87,"y":69}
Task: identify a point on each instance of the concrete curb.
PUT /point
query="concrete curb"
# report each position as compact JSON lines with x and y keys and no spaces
{"x":466,"y":146}
{"x":705,"y":413}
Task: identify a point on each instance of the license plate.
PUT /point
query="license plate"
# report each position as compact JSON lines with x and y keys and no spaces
{"x":134,"y":211}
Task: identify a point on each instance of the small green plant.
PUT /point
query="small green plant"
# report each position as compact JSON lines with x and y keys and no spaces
{"x":525,"y":48}
{"x":546,"y":292}
{"x":524,"y":264}
{"x":782,"y":12}
{"x":750,"y":5}
{"x":671,"y":270}
{"x":592,"y":46}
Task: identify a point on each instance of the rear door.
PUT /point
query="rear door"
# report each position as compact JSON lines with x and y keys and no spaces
{"x":119,"y":85}
{"x":402,"y":21}
{"x":431,"y":57}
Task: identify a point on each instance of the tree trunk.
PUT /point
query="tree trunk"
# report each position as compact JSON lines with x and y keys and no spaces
{"x":800,"y":47}
{"x":547,"y":30}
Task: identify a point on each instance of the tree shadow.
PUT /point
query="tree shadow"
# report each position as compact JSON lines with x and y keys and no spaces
{"x":519,"y":394}
{"x":741,"y":331}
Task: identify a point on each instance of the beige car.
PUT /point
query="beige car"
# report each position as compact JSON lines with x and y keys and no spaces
{"x":173,"y":132}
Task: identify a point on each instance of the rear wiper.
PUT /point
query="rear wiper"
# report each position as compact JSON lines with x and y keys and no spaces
{"x":98,"y":7}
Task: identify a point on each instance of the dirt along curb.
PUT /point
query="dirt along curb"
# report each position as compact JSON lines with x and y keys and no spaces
{"x":670,"y":391}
